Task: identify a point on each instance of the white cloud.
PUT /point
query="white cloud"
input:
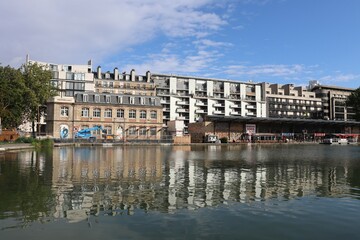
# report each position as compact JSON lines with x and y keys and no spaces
{"x":205,"y":43}
{"x":339,"y":78}
{"x":165,"y":62}
{"x":62,"y":31}
{"x":265,"y":70}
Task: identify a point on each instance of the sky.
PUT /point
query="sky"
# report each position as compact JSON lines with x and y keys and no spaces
{"x":275,"y":41}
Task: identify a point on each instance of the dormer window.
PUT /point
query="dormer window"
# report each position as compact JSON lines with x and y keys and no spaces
{"x":85,"y":98}
{"x":97,"y":98}
{"x":132,"y":100}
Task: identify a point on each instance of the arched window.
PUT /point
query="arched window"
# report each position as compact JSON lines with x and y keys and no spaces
{"x":120,"y":113}
{"x":153,"y":115}
{"x":108,"y":113}
{"x":143,"y":114}
{"x":97,"y":112}
{"x":132,"y":113}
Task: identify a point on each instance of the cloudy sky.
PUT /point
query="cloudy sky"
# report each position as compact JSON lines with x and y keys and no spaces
{"x":277,"y":41}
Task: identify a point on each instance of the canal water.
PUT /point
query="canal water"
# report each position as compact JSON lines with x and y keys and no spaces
{"x":189,"y":192}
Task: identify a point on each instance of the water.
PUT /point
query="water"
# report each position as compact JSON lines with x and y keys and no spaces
{"x":197,"y":192}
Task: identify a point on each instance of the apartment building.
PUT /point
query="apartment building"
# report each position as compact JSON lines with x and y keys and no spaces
{"x":333,"y":100}
{"x":70,"y":79}
{"x":123,"y":83}
{"x":187,"y":98}
{"x":123,"y":117}
{"x":192,"y":98}
{"x":287,"y":101}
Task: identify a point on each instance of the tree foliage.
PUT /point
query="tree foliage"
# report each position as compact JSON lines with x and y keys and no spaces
{"x":38,"y":89}
{"x":22,"y":93}
{"x":12,"y":101}
{"x":354,"y":101}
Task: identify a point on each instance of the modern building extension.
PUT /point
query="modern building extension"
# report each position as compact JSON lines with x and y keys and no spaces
{"x":287,"y":101}
{"x":333,"y":100}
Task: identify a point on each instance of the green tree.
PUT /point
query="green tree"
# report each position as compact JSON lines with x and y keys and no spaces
{"x":12,"y":102}
{"x":38,"y":90}
{"x":353,"y":101}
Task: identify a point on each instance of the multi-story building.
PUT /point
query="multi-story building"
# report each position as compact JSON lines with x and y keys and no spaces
{"x":333,"y":100}
{"x":287,"y":101}
{"x":70,"y":79}
{"x":191,"y":98}
{"x":187,"y":98}
{"x":121,"y":116}
{"x":122,"y":83}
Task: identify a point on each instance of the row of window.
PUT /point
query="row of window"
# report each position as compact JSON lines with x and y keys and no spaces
{"x":119,"y":99}
{"x":108,"y":113}
{"x":131,"y":131}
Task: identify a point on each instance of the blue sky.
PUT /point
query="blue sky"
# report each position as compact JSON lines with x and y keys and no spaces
{"x":276,"y":41}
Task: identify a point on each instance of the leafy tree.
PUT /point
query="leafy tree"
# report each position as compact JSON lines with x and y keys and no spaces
{"x":353,"y":100}
{"x":38,"y":90}
{"x":12,"y":101}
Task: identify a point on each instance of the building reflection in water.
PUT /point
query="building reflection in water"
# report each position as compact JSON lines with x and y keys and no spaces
{"x":119,"y":180}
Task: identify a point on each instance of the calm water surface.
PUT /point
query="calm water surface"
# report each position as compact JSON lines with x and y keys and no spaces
{"x":197,"y":192}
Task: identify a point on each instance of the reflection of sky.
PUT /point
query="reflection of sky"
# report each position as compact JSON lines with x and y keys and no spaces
{"x":167,"y":180}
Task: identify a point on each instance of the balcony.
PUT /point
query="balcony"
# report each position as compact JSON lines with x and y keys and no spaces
{"x":182,"y":103}
{"x":181,"y":110}
{"x":180,"y":118}
{"x":200,"y":89}
{"x":235,"y":113}
{"x":199,"y":103}
{"x":250,"y":114}
{"x":236,"y":106}
{"x":166,"y":109}
{"x":163,"y":92}
{"x":218,"y":112}
{"x":250,"y":107}
{"x":200,"y":111}
{"x":162,"y":101}
{"x":218,"y":105}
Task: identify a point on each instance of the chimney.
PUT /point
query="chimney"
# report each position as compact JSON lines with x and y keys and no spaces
{"x":116,"y":73}
{"x":132,"y":75}
{"x":148,"y":76}
{"x":99,"y":72}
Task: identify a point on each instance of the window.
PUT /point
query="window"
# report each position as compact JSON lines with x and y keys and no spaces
{"x":97,"y":98}
{"x":108,"y":99}
{"x":152,"y":101}
{"x":97,"y":112}
{"x":120,"y":113}
{"x":119,"y":100}
{"x":85,"y":112}
{"x":142,"y":131}
{"x":79,"y":76}
{"x":85,"y":98}
{"x":64,"y":111}
{"x":132,"y":113}
{"x":84,"y":127}
{"x":153,"y":115}
{"x":132,"y":100}
{"x":142,"y":101}
{"x":107,"y":130}
{"x":153,"y":131}
{"x":108,"y":113}
{"x":69,"y":76}
{"x":142,"y":114}
{"x":132,"y":131}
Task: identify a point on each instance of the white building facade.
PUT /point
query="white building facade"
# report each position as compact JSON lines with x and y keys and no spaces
{"x":190,"y":98}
